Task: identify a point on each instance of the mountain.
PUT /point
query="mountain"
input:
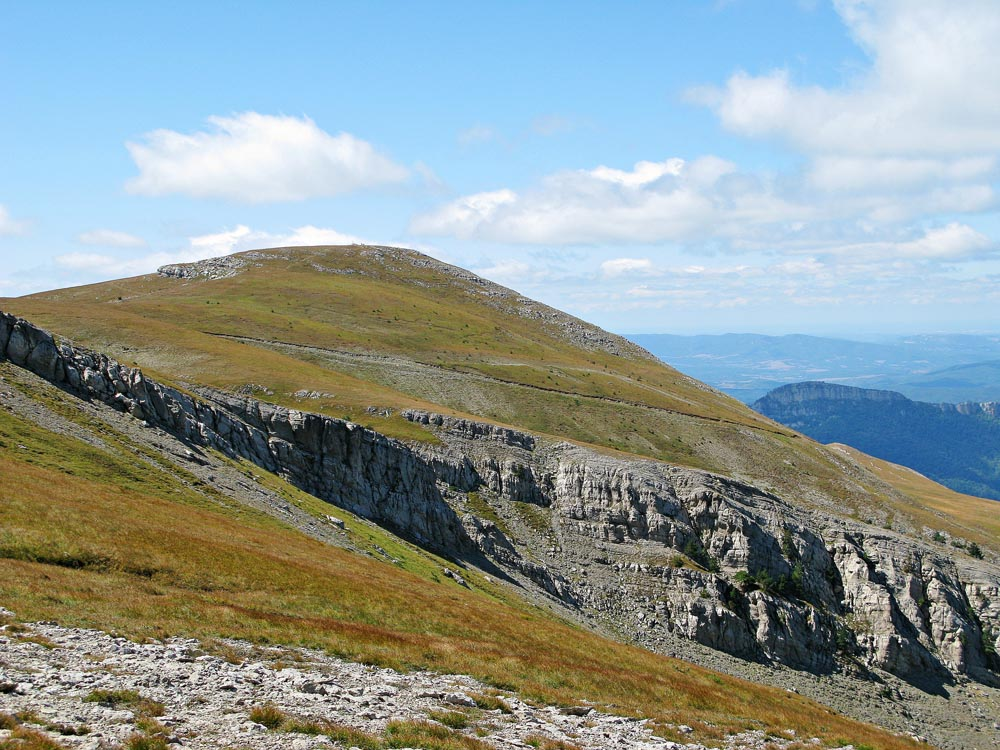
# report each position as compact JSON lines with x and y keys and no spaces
{"x":978,"y":381}
{"x":956,"y":445}
{"x":749,"y":365}
{"x":363,"y":450}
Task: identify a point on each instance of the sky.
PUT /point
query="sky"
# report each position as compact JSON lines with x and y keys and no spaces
{"x":770,"y":166}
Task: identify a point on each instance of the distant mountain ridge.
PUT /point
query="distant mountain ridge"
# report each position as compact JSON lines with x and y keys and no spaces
{"x":933,"y":367}
{"x":957,"y":445}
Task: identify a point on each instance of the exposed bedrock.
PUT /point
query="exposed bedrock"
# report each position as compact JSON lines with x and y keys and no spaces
{"x":646,"y":548}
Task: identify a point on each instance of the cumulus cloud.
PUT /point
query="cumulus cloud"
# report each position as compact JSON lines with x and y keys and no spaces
{"x":462,"y":217}
{"x":110,"y":238}
{"x":255,"y":158}
{"x":9,"y":225}
{"x":933,"y":86}
{"x":654,"y":201}
{"x":952,"y":242}
{"x":201,"y":247}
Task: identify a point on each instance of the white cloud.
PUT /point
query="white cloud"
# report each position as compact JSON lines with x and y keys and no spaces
{"x":476,"y":134}
{"x":463,"y":217}
{"x":110,"y":238}
{"x":201,"y":247}
{"x":654,"y":201}
{"x":933,"y":86}
{"x":624,"y":266}
{"x":8,"y":225}
{"x":508,"y":271}
{"x":952,"y":242}
{"x":851,"y":173}
{"x":642,"y":174}
{"x":257,"y":158}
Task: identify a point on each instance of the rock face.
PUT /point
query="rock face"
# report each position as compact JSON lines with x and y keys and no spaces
{"x":650,"y":550}
{"x":657,"y":549}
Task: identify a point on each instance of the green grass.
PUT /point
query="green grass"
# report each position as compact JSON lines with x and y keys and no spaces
{"x":185,"y":565}
{"x":268,"y":715}
{"x":430,"y":736}
{"x":452,"y":719}
{"x":125,"y":698}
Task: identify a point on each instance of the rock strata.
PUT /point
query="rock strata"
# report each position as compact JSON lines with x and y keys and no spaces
{"x":649,"y":550}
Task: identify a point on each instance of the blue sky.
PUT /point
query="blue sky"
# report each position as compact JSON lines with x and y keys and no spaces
{"x":684,"y":167}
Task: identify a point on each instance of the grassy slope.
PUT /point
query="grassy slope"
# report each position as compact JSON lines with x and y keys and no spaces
{"x":110,"y":539}
{"x":403,"y":307}
{"x":933,"y":505}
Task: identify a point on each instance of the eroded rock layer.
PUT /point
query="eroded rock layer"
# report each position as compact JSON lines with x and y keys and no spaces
{"x":647,"y":549}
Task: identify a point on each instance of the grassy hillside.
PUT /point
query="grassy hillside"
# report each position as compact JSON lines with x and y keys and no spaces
{"x":932,"y":505}
{"x":98,"y":531}
{"x":393,"y":329}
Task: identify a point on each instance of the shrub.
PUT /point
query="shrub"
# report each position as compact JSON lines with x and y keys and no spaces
{"x":788,"y":545}
{"x":974,"y":550}
{"x":22,"y":738}
{"x":697,"y":553}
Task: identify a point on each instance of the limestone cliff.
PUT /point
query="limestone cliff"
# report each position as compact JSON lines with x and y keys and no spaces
{"x":648,"y":549}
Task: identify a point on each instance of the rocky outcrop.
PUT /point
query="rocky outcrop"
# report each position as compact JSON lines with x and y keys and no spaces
{"x":207,"y":700}
{"x":336,"y":460}
{"x":654,"y":550}
{"x":213,"y":268}
{"x":651,"y":550}
{"x":989,"y":409}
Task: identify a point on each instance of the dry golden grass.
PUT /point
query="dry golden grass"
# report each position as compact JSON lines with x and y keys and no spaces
{"x":414,"y":312}
{"x":630,"y":406}
{"x":89,"y":547}
{"x":933,"y":505}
